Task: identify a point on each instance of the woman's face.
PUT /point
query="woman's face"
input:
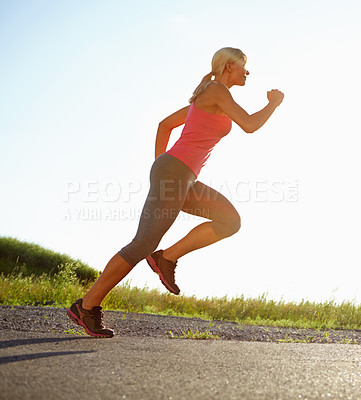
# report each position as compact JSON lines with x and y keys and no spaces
{"x":239,"y":73}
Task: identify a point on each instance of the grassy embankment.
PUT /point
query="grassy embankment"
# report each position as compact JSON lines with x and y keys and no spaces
{"x":31,"y":274}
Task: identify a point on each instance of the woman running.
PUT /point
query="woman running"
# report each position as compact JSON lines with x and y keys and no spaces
{"x":174,"y":186}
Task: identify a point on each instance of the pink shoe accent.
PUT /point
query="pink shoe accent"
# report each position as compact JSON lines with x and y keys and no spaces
{"x":72,"y":316}
{"x":78,"y":321}
{"x":80,"y":313}
{"x":155,"y":268}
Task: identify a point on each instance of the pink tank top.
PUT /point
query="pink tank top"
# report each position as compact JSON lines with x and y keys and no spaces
{"x":201,"y":132}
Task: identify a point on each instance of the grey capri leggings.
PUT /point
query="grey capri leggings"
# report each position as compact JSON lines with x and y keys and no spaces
{"x":174,"y":188}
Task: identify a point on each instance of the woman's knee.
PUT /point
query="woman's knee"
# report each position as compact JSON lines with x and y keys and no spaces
{"x":228,"y":225}
{"x":138,"y":250}
{"x":234,"y":224}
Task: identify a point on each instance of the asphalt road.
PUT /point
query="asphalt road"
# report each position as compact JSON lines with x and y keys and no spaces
{"x":63,"y":366}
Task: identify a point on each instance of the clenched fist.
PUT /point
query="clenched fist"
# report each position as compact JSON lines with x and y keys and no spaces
{"x":275,"y":97}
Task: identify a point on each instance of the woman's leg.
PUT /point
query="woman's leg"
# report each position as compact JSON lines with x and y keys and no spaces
{"x":170,"y":180}
{"x":205,"y":202}
{"x":116,"y":269}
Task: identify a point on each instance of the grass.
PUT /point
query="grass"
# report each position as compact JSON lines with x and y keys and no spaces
{"x":64,"y":288}
{"x":309,"y":339}
{"x":31,"y":259}
{"x":190,"y":334}
{"x":30,"y":274}
{"x":73,"y":332}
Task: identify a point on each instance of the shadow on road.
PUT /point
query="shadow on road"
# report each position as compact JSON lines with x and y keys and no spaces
{"x":21,"y":342}
{"x":25,"y":357}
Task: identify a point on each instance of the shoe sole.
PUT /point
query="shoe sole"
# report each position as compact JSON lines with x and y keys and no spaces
{"x":78,"y":321}
{"x":153,"y":265}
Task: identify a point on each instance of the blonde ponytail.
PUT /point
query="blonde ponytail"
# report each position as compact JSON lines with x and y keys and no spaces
{"x":219,"y":60}
{"x":204,"y":83}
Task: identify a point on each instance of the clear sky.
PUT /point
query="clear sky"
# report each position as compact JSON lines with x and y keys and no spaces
{"x":84,"y":84}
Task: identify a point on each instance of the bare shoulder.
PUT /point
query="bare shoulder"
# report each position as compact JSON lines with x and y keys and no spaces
{"x":209,"y":99}
{"x":216,"y":93}
{"x":217,"y":88}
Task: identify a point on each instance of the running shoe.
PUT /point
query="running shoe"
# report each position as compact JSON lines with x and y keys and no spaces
{"x":165,"y":269}
{"x":90,"y":320}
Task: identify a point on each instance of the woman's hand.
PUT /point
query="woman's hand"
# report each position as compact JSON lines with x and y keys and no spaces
{"x":275,"y":97}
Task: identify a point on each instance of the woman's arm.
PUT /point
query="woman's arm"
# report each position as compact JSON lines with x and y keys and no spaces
{"x":249,"y":123}
{"x":165,"y":128}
